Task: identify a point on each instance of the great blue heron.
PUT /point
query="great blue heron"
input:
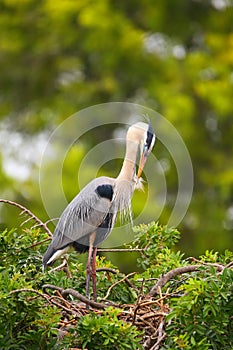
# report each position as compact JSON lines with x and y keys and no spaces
{"x":89,"y":218}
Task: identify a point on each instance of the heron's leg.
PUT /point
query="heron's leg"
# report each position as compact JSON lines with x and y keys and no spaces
{"x":93,"y":272}
{"x":88,"y":271}
{"x":88,"y":267}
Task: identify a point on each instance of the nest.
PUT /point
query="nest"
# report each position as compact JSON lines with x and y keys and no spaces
{"x":147,"y":314}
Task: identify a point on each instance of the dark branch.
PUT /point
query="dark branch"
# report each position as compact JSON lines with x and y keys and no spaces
{"x":179,"y":271}
{"x":82,"y":298}
{"x":51,"y":286}
{"x":106,"y":269}
{"x":169,"y":275}
{"x":74,"y":293}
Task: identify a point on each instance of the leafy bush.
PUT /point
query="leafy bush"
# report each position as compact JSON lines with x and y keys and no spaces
{"x":106,"y":332}
{"x":174,"y":303}
{"x":157,"y":242}
{"x":203,"y":317}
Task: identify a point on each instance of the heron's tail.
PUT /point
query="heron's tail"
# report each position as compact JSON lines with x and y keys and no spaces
{"x":52,"y":254}
{"x":47,"y":258}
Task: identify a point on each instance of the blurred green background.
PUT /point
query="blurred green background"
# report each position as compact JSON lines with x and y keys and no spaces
{"x":176,"y":57}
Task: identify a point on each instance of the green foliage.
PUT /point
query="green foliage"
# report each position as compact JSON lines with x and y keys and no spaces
{"x":202,"y":318}
{"x":157,"y":241}
{"x":198,"y":305}
{"x":106,"y":332}
{"x":122,"y":293}
{"x":27,"y":321}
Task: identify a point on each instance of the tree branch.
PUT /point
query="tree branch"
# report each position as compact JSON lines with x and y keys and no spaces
{"x":218,"y":266}
{"x":51,"y":286}
{"x":74,"y":293}
{"x":169,"y":275}
{"x":82,"y":298}
{"x":28,"y":290}
{"x":120,"y":250}
{"x":38,"y":243}
{"x":29,"y":213}
{"x":106,"y":269}
{"x":114,"y":284}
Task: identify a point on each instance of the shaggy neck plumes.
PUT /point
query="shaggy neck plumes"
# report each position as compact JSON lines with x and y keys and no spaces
{"x":124,"y":182}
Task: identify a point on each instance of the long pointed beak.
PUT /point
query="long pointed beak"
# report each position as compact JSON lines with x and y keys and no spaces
{"x":141,"y":164}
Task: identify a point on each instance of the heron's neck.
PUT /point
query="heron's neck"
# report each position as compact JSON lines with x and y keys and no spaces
{"x":128,"y":167}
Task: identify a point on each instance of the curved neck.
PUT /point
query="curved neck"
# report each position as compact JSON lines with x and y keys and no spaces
{"x":128,"y":168}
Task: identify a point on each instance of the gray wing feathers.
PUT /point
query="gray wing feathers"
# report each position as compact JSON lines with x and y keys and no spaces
{"x":83,"y":215}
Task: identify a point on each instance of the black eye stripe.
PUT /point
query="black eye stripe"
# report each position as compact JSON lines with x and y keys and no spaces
{"x":150,"y":134}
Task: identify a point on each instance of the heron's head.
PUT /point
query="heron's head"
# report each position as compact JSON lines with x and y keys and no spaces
{"x":144,"y":135}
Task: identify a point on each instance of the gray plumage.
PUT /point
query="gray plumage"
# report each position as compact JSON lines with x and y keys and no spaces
{"x":89,"y":212}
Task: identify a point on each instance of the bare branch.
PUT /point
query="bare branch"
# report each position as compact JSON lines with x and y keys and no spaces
{"x":27,"y":220}
{"x":82,"y":298}
{"x":63,"y":266}
{"x":162,"y":281}
{"x":38,"y":243}
{"x":169,"y":275}
{"x":120,"y":250}
{"x":27,"y":290}
{"x":116,"y":283}
{"x":51,"y":286}
{"x":68,"y":308}
{"x":29,"y":213}
{"x":70,"y":291}
{"x":230,"y":265}
{"x":51,"y":220}
{"x":218,"y":266}
{"x":106,"y":269}
{"x":161,"y":336}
